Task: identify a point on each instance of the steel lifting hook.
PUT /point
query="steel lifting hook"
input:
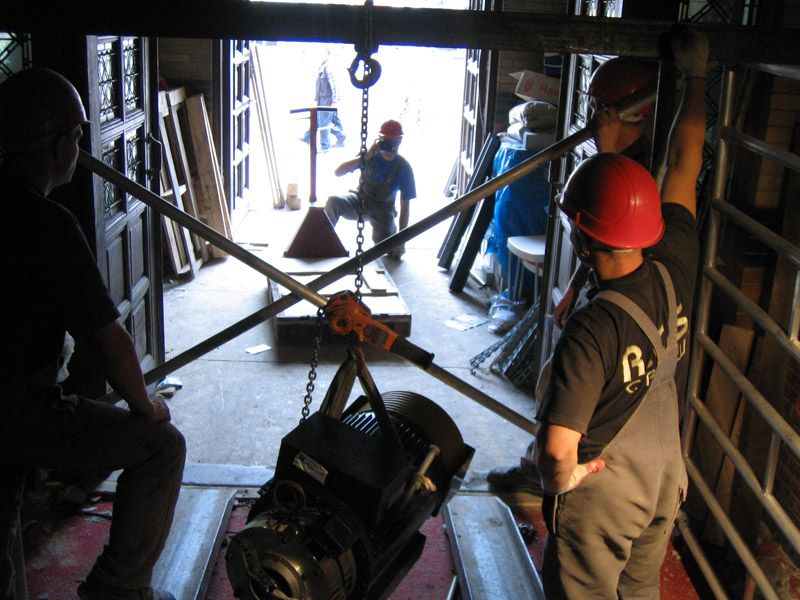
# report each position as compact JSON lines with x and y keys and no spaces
{"x":372,"y":68}
{"x":372,"y":71}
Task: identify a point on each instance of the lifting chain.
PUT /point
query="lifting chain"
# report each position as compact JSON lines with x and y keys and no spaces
{"x":371,"y":72}
{"x":312,"y":371}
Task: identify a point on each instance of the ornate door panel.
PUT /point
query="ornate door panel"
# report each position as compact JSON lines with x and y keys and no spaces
{"x":125,"y":234}
{"x":236,"y":126}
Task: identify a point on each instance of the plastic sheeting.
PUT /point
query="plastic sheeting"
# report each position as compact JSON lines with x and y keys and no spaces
{"x":521,"y":207}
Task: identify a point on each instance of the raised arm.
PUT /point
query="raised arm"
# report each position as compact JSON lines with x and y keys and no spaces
{"x":351,"y":165}
{"x":685,"y":151}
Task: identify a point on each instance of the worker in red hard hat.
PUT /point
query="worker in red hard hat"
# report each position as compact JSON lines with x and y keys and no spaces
{"x":614,"y":82}
{"x":53,"y":288}
{"x":386,"y":173}
{"x":608,"y":449}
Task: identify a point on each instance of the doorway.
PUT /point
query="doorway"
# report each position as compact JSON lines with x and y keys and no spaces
{"x":420,"y":87}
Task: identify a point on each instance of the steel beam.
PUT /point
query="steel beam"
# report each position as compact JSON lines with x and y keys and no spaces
{"x":444,"y":28}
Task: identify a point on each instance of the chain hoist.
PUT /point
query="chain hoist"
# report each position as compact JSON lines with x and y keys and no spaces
{"x":371,"y":71}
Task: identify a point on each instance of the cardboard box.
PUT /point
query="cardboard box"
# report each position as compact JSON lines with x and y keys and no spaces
{"x":535,"y":86}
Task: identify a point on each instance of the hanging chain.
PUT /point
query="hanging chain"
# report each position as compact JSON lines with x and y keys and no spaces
{"x":371,"y":73}
{"x":362,"y":203}
{"x":363,"y":54}
{"x":312,"y":372}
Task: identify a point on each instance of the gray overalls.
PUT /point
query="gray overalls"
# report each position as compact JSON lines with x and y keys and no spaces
{"x":379,"y":205}
{"x":609,"y":535}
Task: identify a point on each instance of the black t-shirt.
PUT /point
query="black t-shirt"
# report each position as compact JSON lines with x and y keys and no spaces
{"x":51,"y":283}
{"x":603,"y":362}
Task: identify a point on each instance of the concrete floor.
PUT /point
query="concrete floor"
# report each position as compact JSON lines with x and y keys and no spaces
{"x":235,"y":407}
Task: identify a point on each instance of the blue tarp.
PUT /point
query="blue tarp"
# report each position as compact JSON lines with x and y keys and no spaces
{"x":519,"y":208}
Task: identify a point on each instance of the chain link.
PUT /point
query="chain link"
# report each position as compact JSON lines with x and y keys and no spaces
{"x":366,"y":49}
{"x":370,"y":66}
{"x":362,"y":202}
{"x":312,"y":372}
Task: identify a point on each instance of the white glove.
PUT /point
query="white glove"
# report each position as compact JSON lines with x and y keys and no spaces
{"x":690,"y":49}
{"x":581,"y":472}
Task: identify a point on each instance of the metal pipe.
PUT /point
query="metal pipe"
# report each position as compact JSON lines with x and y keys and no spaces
{"x":453,"y":590}
{"x":767,"y":500}
{"x":753,"y":395}
{"x":431,"y":27}
{"x":300,"y":290}
{"x":682,"y":522}
{"x":764,"y":234}
{"x":786,"y":158}
{"x":309,"y":291}
{"x":156,"y":202}
{"x":731,"y":533}
{"x":701,"y":322}
{"x":483,"y":399}
{"x":759,"y":315}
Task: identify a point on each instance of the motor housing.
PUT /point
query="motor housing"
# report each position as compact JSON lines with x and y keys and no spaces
{"x":340,"y":518}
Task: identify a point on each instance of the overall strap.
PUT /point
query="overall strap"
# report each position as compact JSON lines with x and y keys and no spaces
{"x":644,"y":322}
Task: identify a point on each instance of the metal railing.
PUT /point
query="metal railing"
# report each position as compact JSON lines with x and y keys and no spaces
{"x":782,"y":435}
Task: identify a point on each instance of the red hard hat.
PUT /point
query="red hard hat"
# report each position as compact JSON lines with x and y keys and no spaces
{"x":619,"y":79}
{"x":35,"y":104}
{"x":391,"y":130}
{"x":614,"y":200}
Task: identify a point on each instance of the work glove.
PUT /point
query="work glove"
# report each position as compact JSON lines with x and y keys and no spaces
{"x":690,"y":50}
{"x":581,"y":472}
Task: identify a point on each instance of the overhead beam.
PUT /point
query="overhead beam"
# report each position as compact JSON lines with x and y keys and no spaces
{"x":239,"y":19}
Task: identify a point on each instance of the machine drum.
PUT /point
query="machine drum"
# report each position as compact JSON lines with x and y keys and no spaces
{"x":340,"y":518}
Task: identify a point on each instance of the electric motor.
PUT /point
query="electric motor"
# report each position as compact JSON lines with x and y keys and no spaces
{"x":340,"y":518}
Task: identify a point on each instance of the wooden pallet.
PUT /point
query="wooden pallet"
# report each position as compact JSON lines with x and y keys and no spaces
{"x":298,"y":323}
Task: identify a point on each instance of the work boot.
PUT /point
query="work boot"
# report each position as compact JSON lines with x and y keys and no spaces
{"x":99,"y":591}
{"x":523,"y":478}
{"x":396,"y":253}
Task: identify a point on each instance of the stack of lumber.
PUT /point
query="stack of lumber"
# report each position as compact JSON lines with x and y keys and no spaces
{"x":190,"y":165}
{"x":262,"y":110}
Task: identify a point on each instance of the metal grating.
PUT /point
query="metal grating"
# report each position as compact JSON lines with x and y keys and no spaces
{"x":15,"y":53}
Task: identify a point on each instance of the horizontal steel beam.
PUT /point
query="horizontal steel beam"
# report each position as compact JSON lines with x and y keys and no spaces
{"x":444,"y":28}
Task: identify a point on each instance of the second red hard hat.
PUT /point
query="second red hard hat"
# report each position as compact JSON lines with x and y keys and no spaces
{"x":614,"y":200}
{"x":619,"y":79}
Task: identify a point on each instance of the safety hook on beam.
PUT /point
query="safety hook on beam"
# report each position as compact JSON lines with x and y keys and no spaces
{"x":371,"y":68}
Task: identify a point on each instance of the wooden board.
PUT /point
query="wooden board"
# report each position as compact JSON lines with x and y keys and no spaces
{"x":211,"y":191}
{"x":298,"y":322}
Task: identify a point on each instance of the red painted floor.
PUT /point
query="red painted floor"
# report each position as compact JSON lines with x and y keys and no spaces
{"x":60,"y":550}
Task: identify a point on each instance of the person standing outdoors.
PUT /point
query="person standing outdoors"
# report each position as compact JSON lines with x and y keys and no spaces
{"x":385,"y":174}
{"x":327,"y":94}
{"x":608,"y":450}
{"x":53,"y":286}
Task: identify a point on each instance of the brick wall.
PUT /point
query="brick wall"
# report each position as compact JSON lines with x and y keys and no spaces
{"x":188,"y":63}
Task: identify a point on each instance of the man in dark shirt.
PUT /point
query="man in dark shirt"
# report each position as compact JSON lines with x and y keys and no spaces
{"x":614,"y":82}
{"x":608,"y":450}
{"x":52,"y":286}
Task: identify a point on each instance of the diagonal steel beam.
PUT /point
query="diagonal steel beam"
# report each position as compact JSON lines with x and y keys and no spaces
{"x":402,"y":347}
{"x":444,"y":28}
